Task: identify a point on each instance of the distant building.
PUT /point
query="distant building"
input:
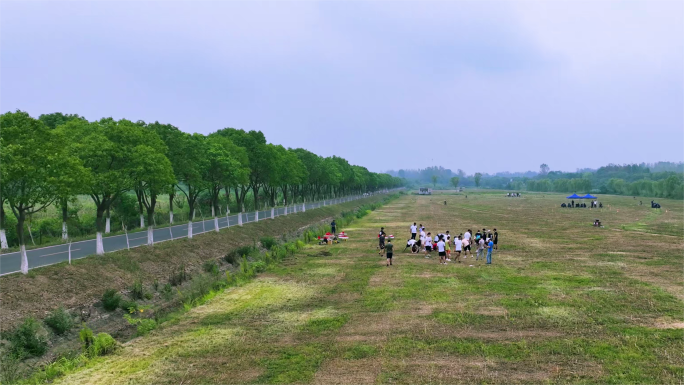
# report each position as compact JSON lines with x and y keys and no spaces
{"x":425,"y":191}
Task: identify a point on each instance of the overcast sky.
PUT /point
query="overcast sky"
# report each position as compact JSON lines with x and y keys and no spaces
{"x":482,"y":86}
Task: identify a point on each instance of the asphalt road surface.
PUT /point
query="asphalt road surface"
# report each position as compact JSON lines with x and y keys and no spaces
{"x":11,"y":262}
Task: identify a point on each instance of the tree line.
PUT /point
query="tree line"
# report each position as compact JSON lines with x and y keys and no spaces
{"x":51,"y":159}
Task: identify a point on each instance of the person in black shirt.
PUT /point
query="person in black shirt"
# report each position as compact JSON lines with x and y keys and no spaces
{"x":333,"y":225}
{"x":496,"y":240}
{"x":381,"y":240}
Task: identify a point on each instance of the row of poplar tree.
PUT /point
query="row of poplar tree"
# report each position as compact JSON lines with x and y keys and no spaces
{"x":49,"y":160}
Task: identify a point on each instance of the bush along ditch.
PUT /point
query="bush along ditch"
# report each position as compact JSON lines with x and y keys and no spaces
{"x":236,"y":268}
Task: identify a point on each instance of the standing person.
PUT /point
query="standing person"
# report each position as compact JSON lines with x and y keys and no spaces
{"x":428,"y":245}
{"x":447,"y":247}
{"x":496,"y":240}
{"x":381,"y":240}
{"x":333,"y":226}
{"x":490,"y":246}
{"x":478,"y":236}
{"x":480,"y":249}
{"x":422,"y":233}
{"x":458,"y":245}
{"x":389,"y":249}
{"x":466,"y":248}
{"x":467,"y":235}
{"x":442,"y":251}
{"x":414,"y":229}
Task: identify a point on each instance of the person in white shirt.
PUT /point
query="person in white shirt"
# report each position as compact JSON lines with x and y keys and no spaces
{"x":458,"y":244}
{"x":427,"y":242}
{"x":413,"y":244}
{"x":414,"y":228}
{"x":442,"y":251}
{"x":467,"y":235}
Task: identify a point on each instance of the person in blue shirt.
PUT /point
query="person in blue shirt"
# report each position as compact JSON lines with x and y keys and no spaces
{"x":490,"y":246}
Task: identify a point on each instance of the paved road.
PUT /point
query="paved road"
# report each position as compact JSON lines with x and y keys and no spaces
{"x":11,"y":262}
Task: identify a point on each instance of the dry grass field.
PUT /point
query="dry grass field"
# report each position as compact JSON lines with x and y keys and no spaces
{"x":563,"y":302}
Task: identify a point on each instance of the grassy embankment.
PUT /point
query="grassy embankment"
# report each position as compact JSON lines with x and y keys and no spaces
{"x":563,"y":302}
{"x":84,"y":281}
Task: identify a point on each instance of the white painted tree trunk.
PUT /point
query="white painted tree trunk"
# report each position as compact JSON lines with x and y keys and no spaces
{"x":304,"y":207}
{"x":24,"y":260}
{"x":171,"y":217}
{"x":70,"y":253}
{"x":142,"y":221}
{"x":239,"y":219}
{"x":285,"y":209}
{"x":65,"y":232}
{"x":99,"y":246}
{"x":272,"y":213}
{"x":150,"y":235}
{"x":295,"y":208}
{"x":190,"y":229}
{"x":256,"y":216}
{"x":216,"y":226}
{"x":3,"y":240}
{"x":108,"y":226}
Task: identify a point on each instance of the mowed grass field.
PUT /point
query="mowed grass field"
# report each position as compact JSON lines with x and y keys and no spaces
{"x":564,"y":302}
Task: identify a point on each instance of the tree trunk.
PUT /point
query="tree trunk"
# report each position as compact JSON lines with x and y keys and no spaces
{"x":255,"y":189}
{"x":99,"y":221}
{"x":3,"y":236}
{"x":191,"y":216}
{"x":215,"y":208}
{"x":65,"y":214}
{"x":227,"y":189}
{"x":22,"y":244}
{"x":108,"y":224}
{"x":139,"y":194}
{"x":150,"y":220}
{"x":171,"y":208}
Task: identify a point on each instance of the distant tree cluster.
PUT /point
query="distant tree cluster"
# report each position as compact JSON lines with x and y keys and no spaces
{"x":58,"y":156}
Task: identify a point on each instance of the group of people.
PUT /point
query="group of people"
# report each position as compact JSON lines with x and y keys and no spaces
{"x":593,"y":204}
{"x":515,"y":195}
{"x":422,"y":241}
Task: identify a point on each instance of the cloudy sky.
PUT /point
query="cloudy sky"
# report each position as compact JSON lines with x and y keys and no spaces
{"x":482,"y":86}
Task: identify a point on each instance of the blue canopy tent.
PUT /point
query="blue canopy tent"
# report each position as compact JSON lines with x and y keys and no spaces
{"x":574,"y":196}
{"x":588,"y":196}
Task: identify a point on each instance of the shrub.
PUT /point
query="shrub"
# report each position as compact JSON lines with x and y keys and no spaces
{"x":29,"y":339}
{"x":234,"y":256}
{"x":155,"y":285}
{"x":129,"y":306}
{"x":143,"y":325}
{"x":178,"y":277}
{"x":111,"y":299}
{"x":103,"y":344}
{"x":268,"y":242}
{"x":137,"y":291}
{"x":87,"y":338}
{"x":259,"y":266}
{"x":10,"y":368}
{"x":60,"y":321}
{"x":167,"y":292}
{"x":211,"y":267}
